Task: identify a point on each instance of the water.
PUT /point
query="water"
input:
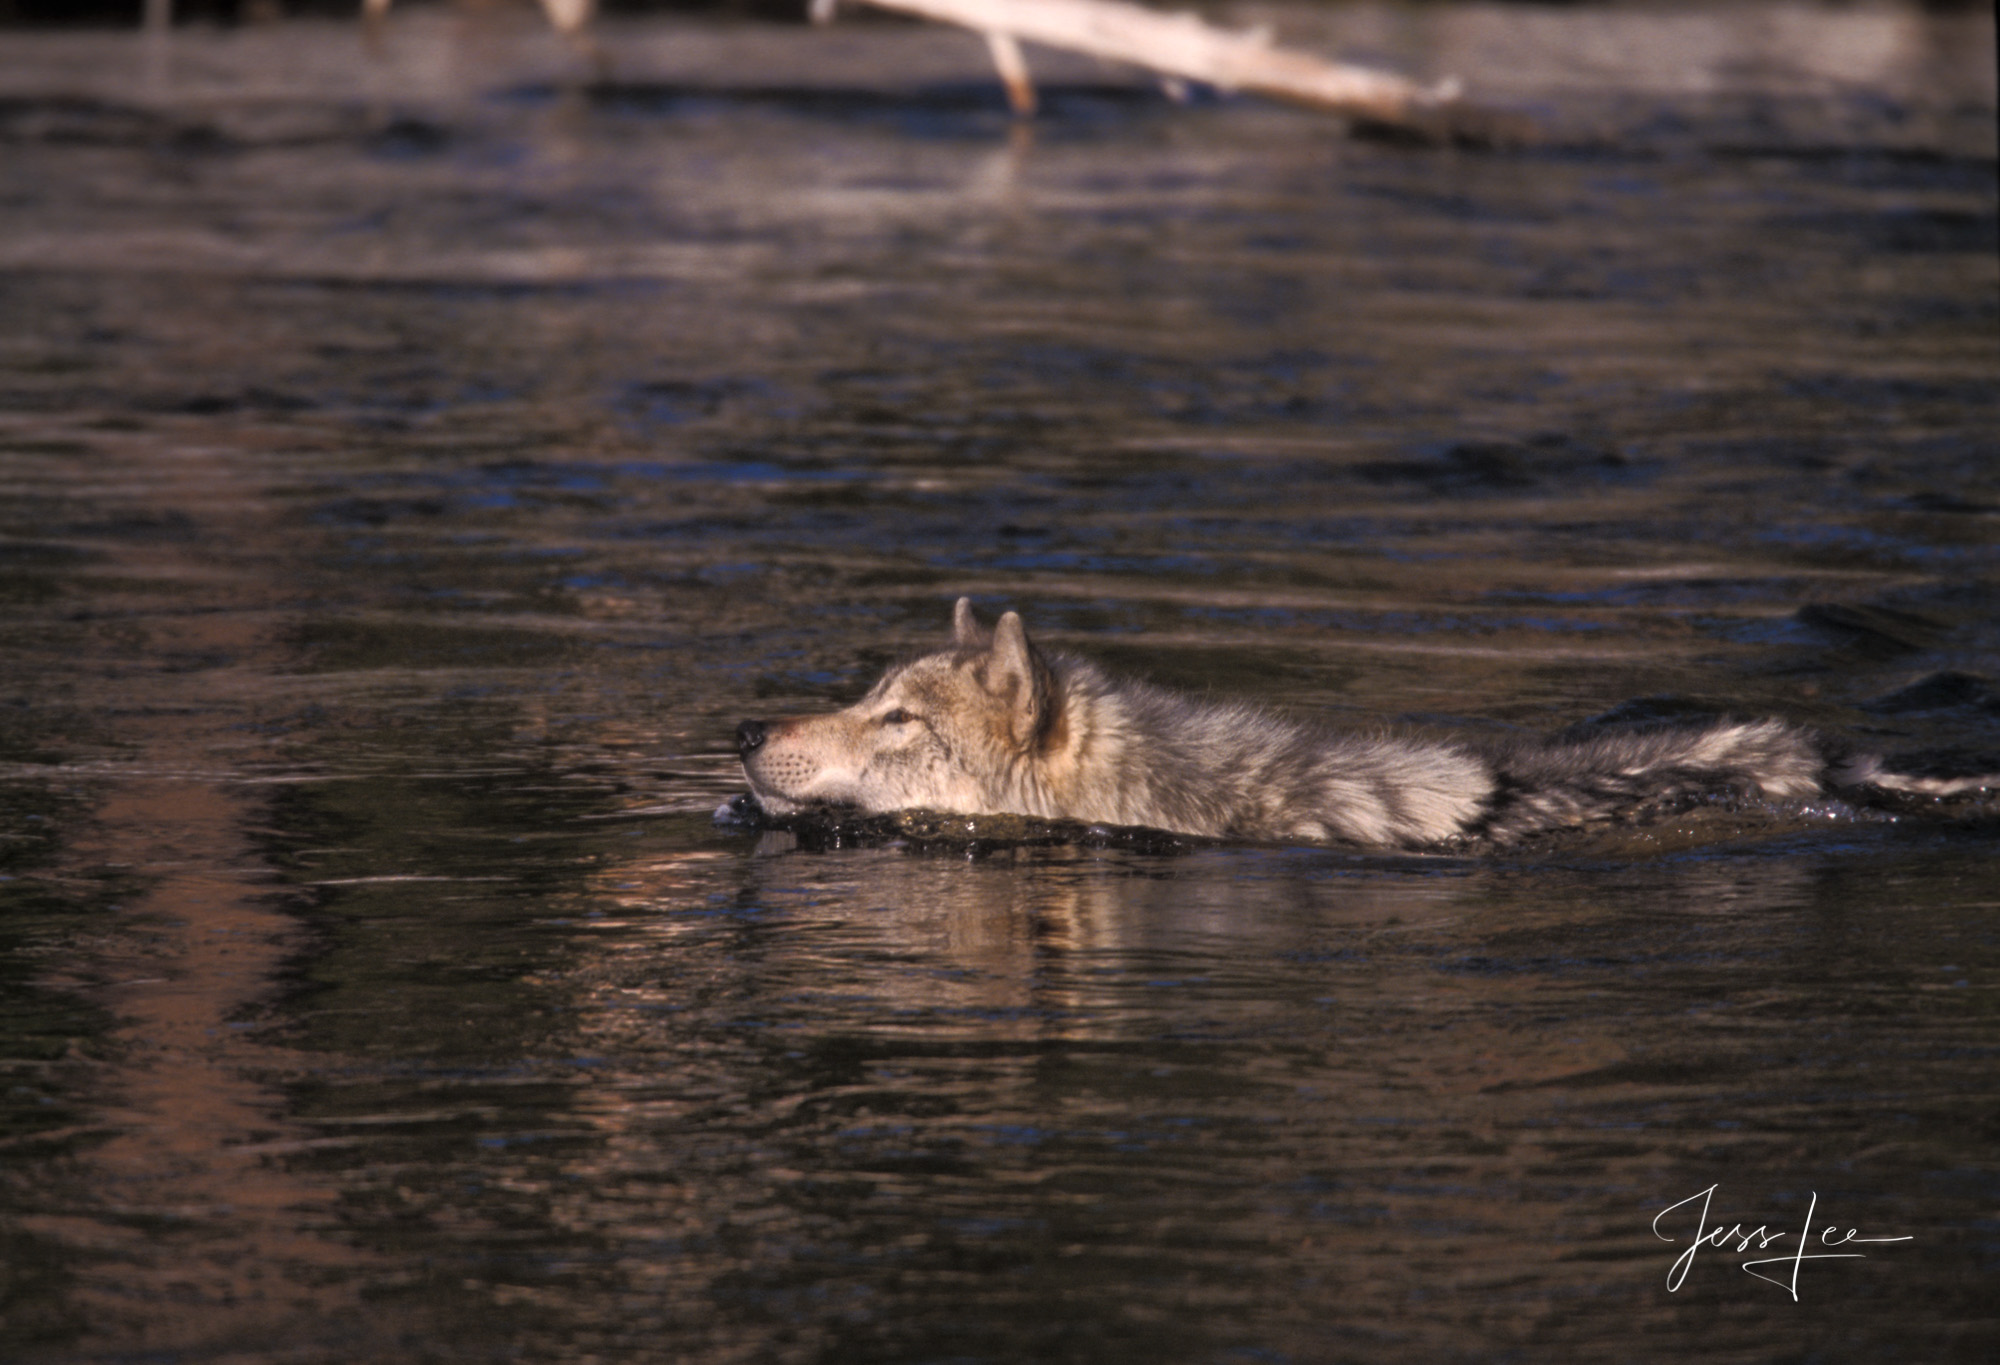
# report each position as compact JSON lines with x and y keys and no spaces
{"x":410,"y":473}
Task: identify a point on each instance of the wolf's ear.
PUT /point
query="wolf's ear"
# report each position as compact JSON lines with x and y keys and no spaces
{"x":1017,"y":674}
{"x":966,"y":632}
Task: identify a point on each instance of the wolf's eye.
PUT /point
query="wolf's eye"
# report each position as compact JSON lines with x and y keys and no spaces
{"x":898,"y":717}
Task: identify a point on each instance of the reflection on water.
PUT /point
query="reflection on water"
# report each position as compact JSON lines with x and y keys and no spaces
{"x":400,"y":504}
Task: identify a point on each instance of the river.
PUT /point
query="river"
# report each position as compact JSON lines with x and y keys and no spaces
{"x":413,"y":467}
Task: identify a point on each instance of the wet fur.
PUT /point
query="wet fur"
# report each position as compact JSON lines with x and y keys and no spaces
{"x":994,"y":725}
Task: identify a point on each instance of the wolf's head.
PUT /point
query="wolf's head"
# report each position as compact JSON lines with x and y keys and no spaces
{"x":957,"y":730}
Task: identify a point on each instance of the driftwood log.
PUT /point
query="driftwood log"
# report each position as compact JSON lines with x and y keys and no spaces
{"x":1178,"y":47}
{"x":1181,"y":47}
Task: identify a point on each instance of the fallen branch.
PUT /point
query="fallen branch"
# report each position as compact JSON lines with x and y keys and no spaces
{"x":1182,"y":47}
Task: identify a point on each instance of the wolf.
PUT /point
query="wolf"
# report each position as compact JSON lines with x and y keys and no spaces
{"x":992,"y":725}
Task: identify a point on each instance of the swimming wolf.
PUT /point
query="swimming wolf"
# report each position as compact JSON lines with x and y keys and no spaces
{"x":994,"y":725}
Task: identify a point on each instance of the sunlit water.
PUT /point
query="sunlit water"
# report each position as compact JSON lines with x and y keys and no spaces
{"x":409,"y":475}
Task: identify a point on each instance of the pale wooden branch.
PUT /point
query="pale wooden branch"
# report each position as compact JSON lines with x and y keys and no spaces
{"x":1013,"y":69}
{"x":1182,"y":47}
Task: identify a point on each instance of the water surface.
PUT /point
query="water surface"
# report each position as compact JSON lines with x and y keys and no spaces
{"x":410,"y":474}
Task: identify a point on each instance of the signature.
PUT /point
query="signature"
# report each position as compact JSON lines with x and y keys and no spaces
{"x":1761,"y":1237}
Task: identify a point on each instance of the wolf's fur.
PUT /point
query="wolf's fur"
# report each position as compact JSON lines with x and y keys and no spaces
{"x":993,"y":725}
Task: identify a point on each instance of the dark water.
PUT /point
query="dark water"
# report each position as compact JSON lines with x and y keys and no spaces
{"x":401,"y":501}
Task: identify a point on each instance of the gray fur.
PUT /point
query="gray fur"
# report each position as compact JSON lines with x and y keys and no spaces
{"x":994,"y":725}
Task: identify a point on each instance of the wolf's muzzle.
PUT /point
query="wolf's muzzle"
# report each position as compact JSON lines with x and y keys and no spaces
{"x":749,"y":737}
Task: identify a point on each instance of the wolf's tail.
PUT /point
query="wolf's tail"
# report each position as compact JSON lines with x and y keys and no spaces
{"x":1578,"y":777}
{"x":1569,"y":780}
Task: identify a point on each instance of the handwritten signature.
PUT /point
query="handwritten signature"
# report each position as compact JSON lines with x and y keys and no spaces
{"x":1762,"y":1237}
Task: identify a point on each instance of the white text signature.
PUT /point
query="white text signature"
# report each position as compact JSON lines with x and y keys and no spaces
{"x":1759,"y":1237}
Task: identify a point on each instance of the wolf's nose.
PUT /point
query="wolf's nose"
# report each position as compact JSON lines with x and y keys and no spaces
{"x":749,"y":737}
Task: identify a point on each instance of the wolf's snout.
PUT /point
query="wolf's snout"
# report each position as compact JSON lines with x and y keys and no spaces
{"x":749,"y":737}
